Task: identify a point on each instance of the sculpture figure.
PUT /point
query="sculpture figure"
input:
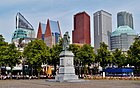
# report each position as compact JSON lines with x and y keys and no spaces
{"x":66,"y":41}
{"x":66,"y":70}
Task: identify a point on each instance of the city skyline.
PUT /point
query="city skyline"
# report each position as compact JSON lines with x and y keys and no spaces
{"x":39,"y":11}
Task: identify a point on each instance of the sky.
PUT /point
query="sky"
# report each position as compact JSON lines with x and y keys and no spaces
{"x":36,"y":11}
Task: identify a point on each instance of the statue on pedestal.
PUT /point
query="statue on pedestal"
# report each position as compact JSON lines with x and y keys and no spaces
{"x":66,"y":68}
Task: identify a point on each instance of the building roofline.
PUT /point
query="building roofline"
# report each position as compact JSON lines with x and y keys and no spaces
{"x":25,"y":20}
{"x":123,"y":12}
{"x":84,"y":12}
{"x":103,"y":11}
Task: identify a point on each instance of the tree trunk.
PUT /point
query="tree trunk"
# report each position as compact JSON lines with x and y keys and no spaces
{"x":38,"y":75}
{"x":11,"y":73}
{"x":54,"y":69}
{"x":38,"y":71}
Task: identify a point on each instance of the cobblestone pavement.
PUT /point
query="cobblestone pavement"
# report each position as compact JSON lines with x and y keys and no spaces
{"x":86,"y":84}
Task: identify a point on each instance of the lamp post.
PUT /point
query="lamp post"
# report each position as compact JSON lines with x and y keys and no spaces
{"x":81,"y":69}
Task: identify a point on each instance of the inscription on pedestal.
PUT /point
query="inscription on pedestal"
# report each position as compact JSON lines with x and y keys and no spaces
{"x":66,"y":69}
{"x":61,"y":62}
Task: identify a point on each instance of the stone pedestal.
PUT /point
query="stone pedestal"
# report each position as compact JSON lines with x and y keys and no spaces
{"x":66,"y":68}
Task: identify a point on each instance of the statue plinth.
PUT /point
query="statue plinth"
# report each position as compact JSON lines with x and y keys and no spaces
{"x":66,"y":68}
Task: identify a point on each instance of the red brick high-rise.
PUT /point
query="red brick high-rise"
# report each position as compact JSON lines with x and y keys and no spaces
{"x":81,"y":32}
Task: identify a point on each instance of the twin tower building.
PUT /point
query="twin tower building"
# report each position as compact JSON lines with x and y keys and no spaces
{"x":50,"y":32}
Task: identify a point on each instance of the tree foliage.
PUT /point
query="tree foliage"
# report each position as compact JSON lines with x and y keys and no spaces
{"x":55,"y":52}
{"x":12,"y":56}
{"x":86,"y":54}
{"x":3,"y":47}
{"x":1,"y":39}
{"x":134,"y":53}
{"x":75,"y":48}
{"x":119,"y":58}
{"x":104,"y":56}
{"x":36,"y":53}
{"x":9,"y":55}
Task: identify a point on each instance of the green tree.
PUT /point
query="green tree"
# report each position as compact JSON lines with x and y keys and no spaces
{"x":12,"y":56}
{"x":119,"y":58}
{"x":134,"y":54}
{"x":2,"y":41}
{"x":86,"y":54}
{"x":1,"y":38}
{"x":36,"y":53}
{"x":55,"y":52}
{"x":3,"y":47}
{"x":104,"y":56}
{"x":75,"y":48}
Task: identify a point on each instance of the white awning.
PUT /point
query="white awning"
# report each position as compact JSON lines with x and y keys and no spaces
{"x":15,"y":68}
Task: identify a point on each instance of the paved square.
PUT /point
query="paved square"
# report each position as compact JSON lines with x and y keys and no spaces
{"x":86,"y":84}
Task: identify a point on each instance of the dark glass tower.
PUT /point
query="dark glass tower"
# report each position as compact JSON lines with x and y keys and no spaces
{"x":125,"y":19}
{"x":23,"y":28}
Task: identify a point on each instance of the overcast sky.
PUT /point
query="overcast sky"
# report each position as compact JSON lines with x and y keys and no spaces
{"x":36,"y":11}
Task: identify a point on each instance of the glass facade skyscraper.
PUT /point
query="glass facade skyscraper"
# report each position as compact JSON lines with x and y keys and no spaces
{"x":125,"y":19}
{"x":23,"y":30}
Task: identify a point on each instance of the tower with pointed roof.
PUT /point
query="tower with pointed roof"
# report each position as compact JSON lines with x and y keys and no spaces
{"x":50,"y":33}
{"x":24,"y":30}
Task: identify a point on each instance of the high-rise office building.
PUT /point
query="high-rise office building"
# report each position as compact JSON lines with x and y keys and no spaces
{"x":24,"y":30}
{"x":125,"y":19}
{"x":81,"y":32}
{"x":122,"y":38}
{"x":50,"y":33}
{"x":102,"y":28}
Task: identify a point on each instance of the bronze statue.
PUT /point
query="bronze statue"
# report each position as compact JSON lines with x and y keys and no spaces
{"x":66,"y":41}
